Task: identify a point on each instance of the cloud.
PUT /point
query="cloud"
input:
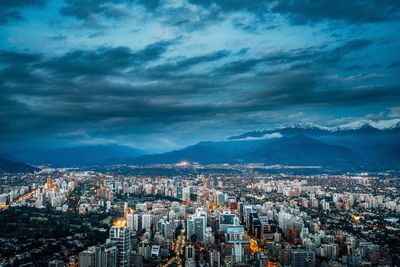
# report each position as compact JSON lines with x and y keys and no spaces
{"x":264,"y":137}
{"x":103,"y":60}
{"x":353,"y":12}
{"x":10,"y":10}
{"x":89,"y":9}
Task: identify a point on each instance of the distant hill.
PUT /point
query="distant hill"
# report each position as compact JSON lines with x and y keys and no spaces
{"x":362,"y":144}
{"x":9,"y":166}
{"x":78,"y":156}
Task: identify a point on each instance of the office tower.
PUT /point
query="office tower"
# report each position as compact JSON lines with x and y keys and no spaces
{"x":179,"y":192}
{"x":109,"y":254}
{"x":215,"y":258}
{"x":189,"y":251}
{"x":196,"y":225}
{"x":227,"y":219}
{"x":120,"y":236}
{"x":87,"y":258}
{"x":190,"y":227}
{"x":202,"y":212}
{"x":126,"y":208}
{"x":200,"y":227}
{"x":237,"y":253}
{"x":247,"y":211}
{"x":146,"y":222}
{"x":130,"y":219}
{"x":39,"y":200}
{"x":137,"y":222}
{"x":303,"y":258}
{"x":48,"y":182}
{"x":221,"y":198}
{"x":136,"y":259}
{"x":145,"y":249}
{"x":155,"y":252}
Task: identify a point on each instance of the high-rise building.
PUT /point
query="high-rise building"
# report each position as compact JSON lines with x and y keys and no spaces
{"x":146,"y":222}
{"x":137,"y":222}
{"x":130,"y":219}
{"x":303,"y":258}
{"x":189,"y":251}
{"x":145,"y":249}
{"x":237,"y":253}
{"x":48,"y":182}
{"x":120,"y":236}
{"x":221,"y":198}
{"x":87,"y":258}
{"x":196,"y":225}
{"x":109,"y":254}
{"x":215,"y":258}
{"x":227,"y":219}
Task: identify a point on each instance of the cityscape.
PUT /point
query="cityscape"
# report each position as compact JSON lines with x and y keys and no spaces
{"x":214,"y":215}
{"x":199,"y":133}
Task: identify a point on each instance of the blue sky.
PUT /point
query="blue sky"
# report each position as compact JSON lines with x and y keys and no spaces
{"x":160,"y":75}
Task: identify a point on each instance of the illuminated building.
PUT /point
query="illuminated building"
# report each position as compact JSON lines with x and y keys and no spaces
{"x":48,"y":182}
{"x":227,"y":219}
{"x":120,"y":236}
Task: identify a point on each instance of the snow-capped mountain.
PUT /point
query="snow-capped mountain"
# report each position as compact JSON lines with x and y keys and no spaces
{"x":380,"y":125}
{"x":355,"y":125}
{"x":361,"y":145}
{"x":304,"y":127}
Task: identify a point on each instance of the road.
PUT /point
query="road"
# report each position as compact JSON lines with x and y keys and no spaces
{"x":178,"y":245}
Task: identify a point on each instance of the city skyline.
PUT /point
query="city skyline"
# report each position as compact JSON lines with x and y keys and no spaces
{"x":161,"y":75}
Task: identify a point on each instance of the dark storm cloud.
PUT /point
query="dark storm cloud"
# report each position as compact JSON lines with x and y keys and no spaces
{"x":319,"y":55}
{"x":234,"y":5}
{"x":104,"y":61}
{"x":10,"y":10}
{"x":11,"y":57}
{"x":86,"y":9}
{"x":17,"y":66}
{"x":312,"y":87}
{"x":165,"y":70}
{"x":356,"y":11}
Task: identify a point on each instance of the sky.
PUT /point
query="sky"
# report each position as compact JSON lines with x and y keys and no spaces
{"x":160,"y":75}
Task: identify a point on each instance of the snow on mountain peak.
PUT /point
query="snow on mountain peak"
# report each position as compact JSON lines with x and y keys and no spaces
{"x":355,"y":125}
{"x":304,"y":125}
{"x":380,"y":125}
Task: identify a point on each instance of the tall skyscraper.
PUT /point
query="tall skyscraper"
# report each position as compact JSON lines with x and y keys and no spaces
{"x":215,"y":258}
{"x":120,"y":236}
{"x":196,"y":224}
{"x":87,"y":258}
{"x":303,"y":258}
{"x":109,"y":254}
{"x":131,"y":222}
{"x":146,"y":222}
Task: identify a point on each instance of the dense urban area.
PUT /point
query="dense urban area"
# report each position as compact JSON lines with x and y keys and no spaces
{"x":199,"y":215}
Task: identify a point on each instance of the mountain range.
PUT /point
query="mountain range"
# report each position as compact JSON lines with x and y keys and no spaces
{"x":9,"y":166}
{"x":362,"y":144}
{"x":358,"y":145}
